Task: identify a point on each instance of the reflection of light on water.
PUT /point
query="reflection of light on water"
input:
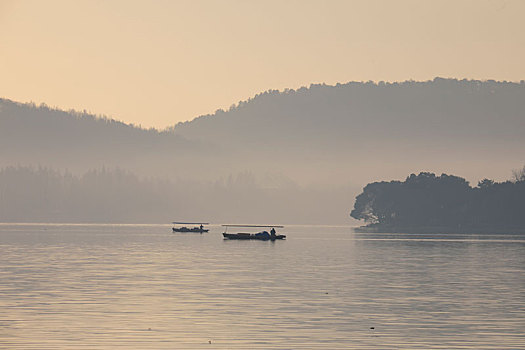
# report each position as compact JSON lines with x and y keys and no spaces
{"x":140,"y":287}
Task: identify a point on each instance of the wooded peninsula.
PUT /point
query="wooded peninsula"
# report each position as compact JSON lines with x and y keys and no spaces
{"x":427,"y":203}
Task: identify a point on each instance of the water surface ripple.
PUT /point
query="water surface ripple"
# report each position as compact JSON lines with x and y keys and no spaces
{"x":143,"y":287}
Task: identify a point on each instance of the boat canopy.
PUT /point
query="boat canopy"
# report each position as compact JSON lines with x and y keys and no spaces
{"x":253,"y":226}
{"x":189,"y":223}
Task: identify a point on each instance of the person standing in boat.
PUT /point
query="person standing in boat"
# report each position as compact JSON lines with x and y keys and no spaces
{"x":272,"y":233}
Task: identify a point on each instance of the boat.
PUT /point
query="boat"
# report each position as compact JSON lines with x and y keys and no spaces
{"x":196,"y":229}
{"x":261,"y":236}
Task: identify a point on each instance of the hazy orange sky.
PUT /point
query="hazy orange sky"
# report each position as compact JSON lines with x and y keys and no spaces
{"x":156,"y":63}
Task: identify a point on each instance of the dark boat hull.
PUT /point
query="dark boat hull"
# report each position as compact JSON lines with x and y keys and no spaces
{"x":189,"y":230}
{"x":246,"y":236}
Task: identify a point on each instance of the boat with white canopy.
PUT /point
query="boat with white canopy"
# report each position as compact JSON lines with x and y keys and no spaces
{"x":261,"y":236}
{"x":196,"y":229}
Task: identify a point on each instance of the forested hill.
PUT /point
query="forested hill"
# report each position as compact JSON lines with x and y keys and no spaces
{"x":371,"y":129}
{"x":31,"y":134}
{"x":408,"y":113}
{"x":322,"y":134}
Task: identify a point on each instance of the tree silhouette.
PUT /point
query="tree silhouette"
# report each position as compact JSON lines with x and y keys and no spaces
{"x":427,"y":200}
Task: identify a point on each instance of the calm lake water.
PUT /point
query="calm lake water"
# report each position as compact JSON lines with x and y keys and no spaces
{"x":143,"y":287}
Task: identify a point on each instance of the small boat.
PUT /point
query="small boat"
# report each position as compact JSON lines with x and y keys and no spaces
{"x":261,"y":236}
{"x":196,"y":229}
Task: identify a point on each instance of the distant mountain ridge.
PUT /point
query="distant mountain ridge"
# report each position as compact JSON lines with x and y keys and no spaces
{"x":442,"y":107}
{"x":31,"y":134}
{"x":420,"y":125}
{"x":397,"y":125}
{"x":302,"y":153}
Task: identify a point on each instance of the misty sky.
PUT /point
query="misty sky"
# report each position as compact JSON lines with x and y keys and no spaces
{"x":155,"y":63}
